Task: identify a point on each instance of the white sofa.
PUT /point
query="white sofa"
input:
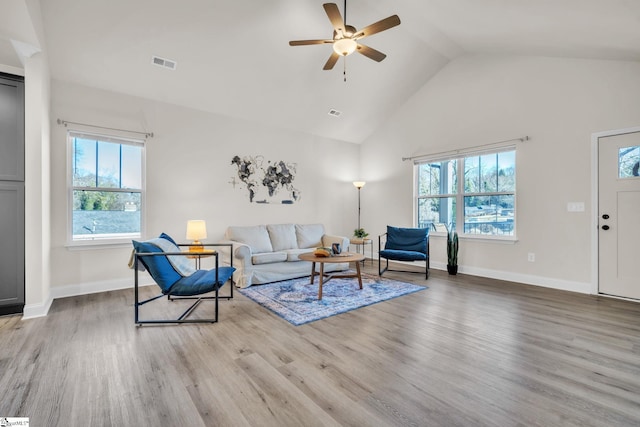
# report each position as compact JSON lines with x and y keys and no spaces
{"x":269,"y":253}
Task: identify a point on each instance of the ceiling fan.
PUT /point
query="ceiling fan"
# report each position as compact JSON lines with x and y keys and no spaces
{"x":346,"y":38}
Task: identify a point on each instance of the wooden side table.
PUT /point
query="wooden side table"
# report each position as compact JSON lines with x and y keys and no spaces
{"x":198,"y":255}
{"x":362,"y":242}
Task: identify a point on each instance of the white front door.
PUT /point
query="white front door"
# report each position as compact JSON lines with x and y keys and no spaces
{"x":619,"y":215}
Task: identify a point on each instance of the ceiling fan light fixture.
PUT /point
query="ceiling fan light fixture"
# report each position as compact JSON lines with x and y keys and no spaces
{"x":345,"y":46}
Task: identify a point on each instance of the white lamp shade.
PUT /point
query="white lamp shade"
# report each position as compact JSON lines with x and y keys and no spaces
{"x":359,"y":184}
{"x":344,"y":46}
{"x":196,"y":229}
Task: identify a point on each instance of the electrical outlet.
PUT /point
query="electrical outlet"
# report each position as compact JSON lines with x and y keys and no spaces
{"x":531,"y":257}
{"x":575,"y":207}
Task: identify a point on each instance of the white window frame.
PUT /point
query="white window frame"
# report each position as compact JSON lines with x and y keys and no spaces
{"x":123,"y":239}
{"x":460,"y":195}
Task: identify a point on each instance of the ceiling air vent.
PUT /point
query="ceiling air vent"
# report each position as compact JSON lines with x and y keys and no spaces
{"x":334,"y":113}
{"x":164,"y":63}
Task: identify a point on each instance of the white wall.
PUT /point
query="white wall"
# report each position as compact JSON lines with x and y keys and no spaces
{"x":477,"y":100}
{"x":37,"y":190}
{"x":188,"y":173}
{"x":37,"y":172}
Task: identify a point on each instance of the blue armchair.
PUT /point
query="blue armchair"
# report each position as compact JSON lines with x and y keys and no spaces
{"x":404,"y":244}
{"x":175,"y":273}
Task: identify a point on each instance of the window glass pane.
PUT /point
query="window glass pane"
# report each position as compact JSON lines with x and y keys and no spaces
{"x":84,"y":162}
{"x":436,"y":212}
{"x":507,"y":171}
{"x":437,"y":178}
{"x":489,"y":173}
{"x":427,"y":179}
{"x":108,"y":164}
{"x":100,"y":214}
{"x":489,"y":215}
{"x":629,"y":162}
{"x":472,"y":175}
{"x":131,"y":166}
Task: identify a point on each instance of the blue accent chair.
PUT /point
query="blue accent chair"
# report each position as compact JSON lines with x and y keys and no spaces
{"x":174,"y":272}
{"x":403,"y":244}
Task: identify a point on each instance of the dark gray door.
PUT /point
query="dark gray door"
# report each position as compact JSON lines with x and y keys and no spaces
{"x":12,"y":248}
{"x":11,"y":130}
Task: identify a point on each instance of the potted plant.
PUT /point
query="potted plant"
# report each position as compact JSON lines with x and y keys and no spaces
{"x":452,"y":250}
{"x":360,"y":233}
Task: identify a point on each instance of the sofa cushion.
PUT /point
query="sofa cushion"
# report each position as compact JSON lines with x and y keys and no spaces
{"x":309,"y":235}
{"x":256,"y":237}
{"x":268,"y":258}
{"x":283,"y":236}
{"x":292,"y":254}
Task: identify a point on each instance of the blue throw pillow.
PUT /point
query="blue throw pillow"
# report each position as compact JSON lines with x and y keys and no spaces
{"x":407,"y":239}
{"x":167,"y":237}
{"x":181,"y":263}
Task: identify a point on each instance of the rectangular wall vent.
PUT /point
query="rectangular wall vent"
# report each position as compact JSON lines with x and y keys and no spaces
{"x":164,"y":63}
{"x":334,"y":113}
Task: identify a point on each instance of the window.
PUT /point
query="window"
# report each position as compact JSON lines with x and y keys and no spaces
{"x":107,"y":188}
{"x":485,"y":190}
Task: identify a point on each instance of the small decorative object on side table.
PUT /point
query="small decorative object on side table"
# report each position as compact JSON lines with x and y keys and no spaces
{"x":360,"y":239}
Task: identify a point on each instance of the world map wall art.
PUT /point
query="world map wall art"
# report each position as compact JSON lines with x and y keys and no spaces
{"x":266,"y":181}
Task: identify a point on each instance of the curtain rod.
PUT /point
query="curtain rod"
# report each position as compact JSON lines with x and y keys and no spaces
{"x":521,"y":139}
{"x":66,"y":122}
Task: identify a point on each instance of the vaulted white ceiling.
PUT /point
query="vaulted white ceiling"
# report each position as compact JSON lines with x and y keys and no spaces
{"x":233,"y":56}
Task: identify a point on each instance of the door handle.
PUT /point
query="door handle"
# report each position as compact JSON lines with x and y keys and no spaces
{"x":605,"y":227}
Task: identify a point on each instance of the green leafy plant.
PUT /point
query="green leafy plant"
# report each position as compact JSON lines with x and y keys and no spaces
{"x":360,"y":233}
{"x":452,"y":246}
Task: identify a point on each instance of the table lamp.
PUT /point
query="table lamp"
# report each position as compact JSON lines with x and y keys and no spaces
{"x":196,"y":230}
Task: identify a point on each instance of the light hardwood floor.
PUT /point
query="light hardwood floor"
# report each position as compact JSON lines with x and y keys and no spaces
{"x":468,"y":351}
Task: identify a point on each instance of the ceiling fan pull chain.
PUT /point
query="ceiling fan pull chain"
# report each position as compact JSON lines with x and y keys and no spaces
{"x":344,"y":72}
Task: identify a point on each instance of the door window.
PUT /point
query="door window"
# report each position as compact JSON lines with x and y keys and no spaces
{"x":629,"y":162}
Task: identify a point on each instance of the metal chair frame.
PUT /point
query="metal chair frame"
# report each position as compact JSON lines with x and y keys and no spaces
{"x":380,"y":270}
{"x":198,"y":299}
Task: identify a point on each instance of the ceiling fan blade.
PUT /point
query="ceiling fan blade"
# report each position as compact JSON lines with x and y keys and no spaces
{"x":334,"y":16}
{"x":376,"y":27}
{"x":331,"y":61}
{"x":308,"y":42}
{"x":370,"y":52}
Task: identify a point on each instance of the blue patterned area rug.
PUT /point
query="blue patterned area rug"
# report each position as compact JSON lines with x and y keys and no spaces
{"x":296,"y":300}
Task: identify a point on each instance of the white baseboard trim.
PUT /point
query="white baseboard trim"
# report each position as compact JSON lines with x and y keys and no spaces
{"x":32,"y":311}
{"x":527,"y":279}
{"x":93,"y":287}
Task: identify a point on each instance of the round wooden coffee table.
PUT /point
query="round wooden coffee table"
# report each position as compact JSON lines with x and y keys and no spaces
{"x":343,"y":257}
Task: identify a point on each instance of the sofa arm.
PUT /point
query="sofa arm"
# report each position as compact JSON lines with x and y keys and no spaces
{"x":241,"y":252}
{"x":328,"y":240}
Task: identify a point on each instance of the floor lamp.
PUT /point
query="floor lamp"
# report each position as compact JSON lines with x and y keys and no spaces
{"x":359,"y":185}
